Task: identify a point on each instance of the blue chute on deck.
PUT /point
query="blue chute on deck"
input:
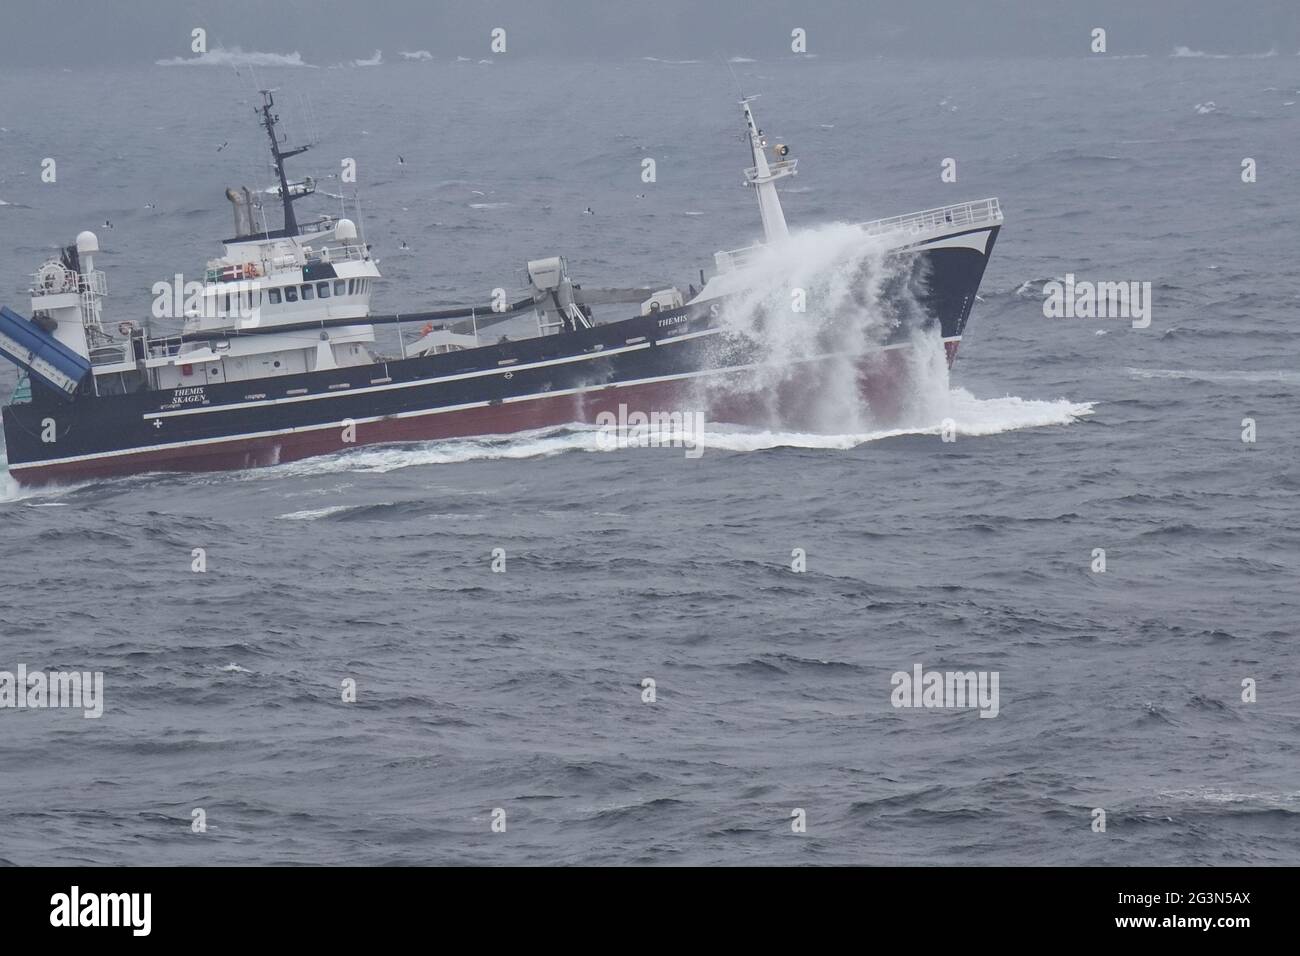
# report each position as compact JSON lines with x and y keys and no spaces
{"x":44,"y":357}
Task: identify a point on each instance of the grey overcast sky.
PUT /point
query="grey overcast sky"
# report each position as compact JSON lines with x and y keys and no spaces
{"x":66,"y":33}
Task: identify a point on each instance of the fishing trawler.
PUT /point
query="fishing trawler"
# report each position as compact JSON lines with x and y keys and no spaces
{"x":277,"y":359}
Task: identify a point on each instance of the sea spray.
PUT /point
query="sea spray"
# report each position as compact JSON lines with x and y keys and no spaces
{"x":809,"y":310}
{"x":926,"y":394}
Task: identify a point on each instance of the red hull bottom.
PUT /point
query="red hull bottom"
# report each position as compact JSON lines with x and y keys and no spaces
{"x":792,"y":402}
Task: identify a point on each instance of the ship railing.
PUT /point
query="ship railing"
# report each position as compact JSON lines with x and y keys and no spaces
{"x":785,"y":167}
{"x":22,"y":393}
{"x":220,"y":271}
{"x":95,"y":283}
{"x":978,"y":213}
{"x":49,"y":280}
{"x":342,"y":252}
{"x":113,"y":353}
{"x":318,"y":225}
{"x":165,"y":347}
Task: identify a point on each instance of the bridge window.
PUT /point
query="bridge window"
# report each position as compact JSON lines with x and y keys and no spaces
{"x":290,"y":294}
{"x":323,"y":289}
{"x":273,"y":296}
{"x":308,"y":293}
{"x":340,"y":287}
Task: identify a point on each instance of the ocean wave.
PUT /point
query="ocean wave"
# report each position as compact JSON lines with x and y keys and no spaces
{"x":380,"y":459}
{"x":417,"y":55}
{"x":312,"y":514}
{"x":1184,"y":53}
{"x":1209,"y":798}
{"x":1221,"y":376}
{"x":971,"y":417}
{"x":236,"y":57}
{"x":11,"y":491}
{"x":1035,"y":288}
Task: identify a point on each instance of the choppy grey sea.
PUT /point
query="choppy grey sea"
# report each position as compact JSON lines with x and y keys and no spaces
{"x":1120,"y":690}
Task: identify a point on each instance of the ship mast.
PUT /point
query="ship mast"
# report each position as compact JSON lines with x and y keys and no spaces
{"x":306,"y":187}
{"x":763,"y":176}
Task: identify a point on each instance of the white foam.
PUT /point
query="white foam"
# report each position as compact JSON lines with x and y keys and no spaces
{"x":1221,"y":376}
{"x":1218,"y":795}
{"x":380,"y":459}
{"x":969,"y":416}
{"x":820,"y":299}
{"x":1182,"y":52}
{"x":314,"y":513}
{"x":972,"y":417}
{"x":236,"y":57}
{"x":1036,"y":288}
{"x":11,"y":490}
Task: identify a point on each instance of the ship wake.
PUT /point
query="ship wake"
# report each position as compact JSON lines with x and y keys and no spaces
{"x":955,"y":411}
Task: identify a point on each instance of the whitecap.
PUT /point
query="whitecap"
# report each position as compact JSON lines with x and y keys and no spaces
{"x":219,"y":56}
{"x":312,"y":514}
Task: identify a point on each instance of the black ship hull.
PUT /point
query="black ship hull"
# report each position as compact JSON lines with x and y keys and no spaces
{"x":672,"y":360}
